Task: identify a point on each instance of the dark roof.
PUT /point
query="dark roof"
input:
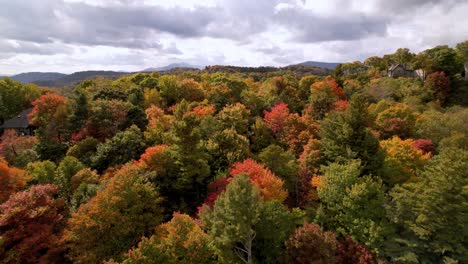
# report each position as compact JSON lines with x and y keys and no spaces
{"x":19,"y":121}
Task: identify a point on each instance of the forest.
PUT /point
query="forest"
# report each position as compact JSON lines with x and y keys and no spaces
{"x":248,"y":166}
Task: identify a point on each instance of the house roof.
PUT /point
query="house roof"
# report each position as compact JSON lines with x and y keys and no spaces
{"x":404,"y":66}
{"x":19,"y":121}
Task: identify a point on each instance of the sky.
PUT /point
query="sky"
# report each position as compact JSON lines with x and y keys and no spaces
{"x":130,"y":35}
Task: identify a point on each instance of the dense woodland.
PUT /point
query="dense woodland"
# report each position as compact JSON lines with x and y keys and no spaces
{"x":242,"y":167}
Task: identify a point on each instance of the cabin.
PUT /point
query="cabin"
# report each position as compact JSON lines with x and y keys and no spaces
{"x":400,"y":70}
{"x":403,"y":70}
{"x":20,"y":123}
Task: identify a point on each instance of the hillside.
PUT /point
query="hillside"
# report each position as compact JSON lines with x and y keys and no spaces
{"x":172,"y":66}
{"x":326,"y":65}
{"x":74,"y":78}
{"x":29,"y":77}
{"x":54,"y":79}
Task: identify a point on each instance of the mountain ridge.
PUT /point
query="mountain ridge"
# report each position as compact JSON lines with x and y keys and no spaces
{"x":320,"y":64}
{"x":56,"y":79}
{"x":172,"y":66}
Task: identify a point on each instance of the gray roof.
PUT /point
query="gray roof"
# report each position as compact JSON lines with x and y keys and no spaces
{"x":19,"y":121}
{"x":404,"y":66}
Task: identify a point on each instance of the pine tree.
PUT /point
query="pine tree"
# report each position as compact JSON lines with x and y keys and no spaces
{"x":431,"y":212}
{"x":231,"y":223}
{"x":347,"y":136}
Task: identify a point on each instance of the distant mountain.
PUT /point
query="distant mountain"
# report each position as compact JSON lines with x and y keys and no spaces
{"x":76,"y":77}
{"x":264,"y":71}
{"x":172,"y":66}
{"x":29,"y":77}
{"x":326,"y":65}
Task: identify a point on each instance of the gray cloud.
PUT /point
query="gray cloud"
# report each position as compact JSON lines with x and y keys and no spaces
{"x":116,"y":25}
{"x":27,"y":47}
{"x":409,"y":6}
{"x":309,"y":27}
{"x":139,"y":26}
{"x":248,"y":32}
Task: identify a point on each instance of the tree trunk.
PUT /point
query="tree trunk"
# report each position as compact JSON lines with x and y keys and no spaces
{"x":466,"y":70}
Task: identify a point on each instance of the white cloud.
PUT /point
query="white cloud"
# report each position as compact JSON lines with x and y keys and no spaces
{"x":71,"y":35}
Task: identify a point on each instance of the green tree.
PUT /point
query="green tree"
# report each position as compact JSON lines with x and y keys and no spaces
{"x":276,"y":224}
{"x":67,"y":168}
{"x":11,"y":99}
{"x":79,"y":111}
{"x":435,"y":125}
{"x":284,"y":165}
{"x":123,"y":147}
{"x":185,"y":180}
{"x":231,"y":223}
{"x":462,"y":50}
{"x":42,"y":172}
{"x":353,"y":205}
{"x":403,"y":56}
{"x":347,"y":136}
{"x":430,"y":212}
{"x":245,"y":229}
{"x":445,"y":59}
{"x":179,"y":241}
{"x":169,"y":89}
{"x":235,"y":116}
{"x":227,"y":147}
{"x":83,"y":150}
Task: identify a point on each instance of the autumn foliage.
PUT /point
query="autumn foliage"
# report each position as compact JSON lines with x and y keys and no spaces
{"x":277,"y":117}
{"x":439,"y":84}
{"x":30,"y":225}
{"x":12,"y":145}
{"x":270,"y":186}
{"x":311,"y":244}
{"x":154,"y":158}
{"x":45,"y":108}
{"x":120,"y":214}
{"x":180,"y":240}
{"x":424,"y":145}
{"x":351,"y":252}
{"x":11,"y":180}
{"x":215,"y":188}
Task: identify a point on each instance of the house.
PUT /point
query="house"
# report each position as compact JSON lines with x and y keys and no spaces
{"x":20,"y":123}
{"x":403,"y":70}
{"x":400,"y":70}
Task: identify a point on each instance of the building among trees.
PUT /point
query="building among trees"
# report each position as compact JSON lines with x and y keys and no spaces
{"x":403,"y":70}
{"x":20,"y":123}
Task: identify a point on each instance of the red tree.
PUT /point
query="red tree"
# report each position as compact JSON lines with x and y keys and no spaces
{"x":351,"y":252}
{"x":215,"y":188}
{"x":425,"y":145}
{"x":45,"y":109}
{"x":30,"y":223}
{"x":155,"y":158}
{"x":11,"y":180}
{"x":341,"y":105}
{"x":438,"y":83}
{"x":12,"y":144}
{"x":271,"y":186}
{"x":311,"y":244}
{"x":277,"y":118}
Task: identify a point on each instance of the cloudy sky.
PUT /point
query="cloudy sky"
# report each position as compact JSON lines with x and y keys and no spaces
{"x":74,"y":35}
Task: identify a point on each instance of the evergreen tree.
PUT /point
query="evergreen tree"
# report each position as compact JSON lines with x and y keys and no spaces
{"x":231,"y":223}
{"x":347,"y":136}
{"x":353,"y":205}
{"x":431,"y":212}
